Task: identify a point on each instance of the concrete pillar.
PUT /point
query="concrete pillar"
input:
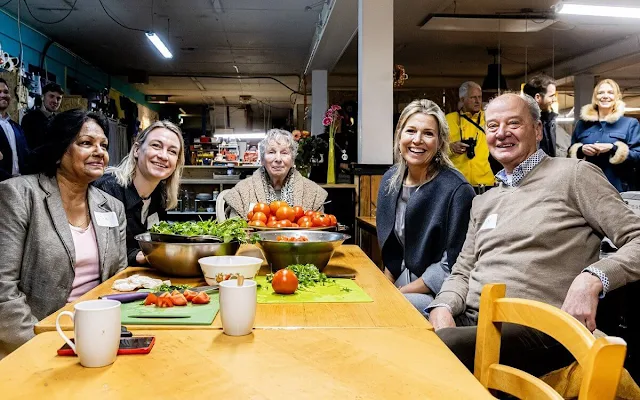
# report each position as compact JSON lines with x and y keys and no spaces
{"x":375,"y":81}
{"x":319,"y":100}
{"x":583,"y":90}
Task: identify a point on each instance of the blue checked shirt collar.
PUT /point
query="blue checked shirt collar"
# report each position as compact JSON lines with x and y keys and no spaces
{"x":522,"y":170}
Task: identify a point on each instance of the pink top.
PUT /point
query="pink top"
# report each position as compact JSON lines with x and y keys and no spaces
{"x":87,"y":261}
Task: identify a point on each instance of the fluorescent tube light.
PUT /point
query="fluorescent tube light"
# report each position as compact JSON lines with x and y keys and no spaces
{"x":252,"y":135}
{"x":159,"y":44}
{"x":598,"y":11}
{"x":564,"y":119}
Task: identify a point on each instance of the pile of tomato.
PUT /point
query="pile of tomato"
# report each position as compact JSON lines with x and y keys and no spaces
{"x":176,"y":299}
{"x":279,"y":214}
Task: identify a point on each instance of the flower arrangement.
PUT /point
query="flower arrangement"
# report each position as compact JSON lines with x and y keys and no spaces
{"x":332,"y":119}
{"x":310,"y":148}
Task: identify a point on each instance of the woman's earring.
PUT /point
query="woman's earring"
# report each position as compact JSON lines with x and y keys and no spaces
{"x":437,"y":158}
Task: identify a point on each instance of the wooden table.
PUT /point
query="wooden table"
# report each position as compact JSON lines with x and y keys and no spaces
{"x":390,"y":363}
{"x":388,"y":309}
{"x":365,"y":223}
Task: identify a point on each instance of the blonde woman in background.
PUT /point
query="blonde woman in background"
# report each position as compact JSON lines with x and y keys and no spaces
{"x":147,"y":181}
{"x":423,"y":206}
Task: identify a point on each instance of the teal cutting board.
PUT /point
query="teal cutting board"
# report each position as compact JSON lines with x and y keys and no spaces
{"x":197,"y":314}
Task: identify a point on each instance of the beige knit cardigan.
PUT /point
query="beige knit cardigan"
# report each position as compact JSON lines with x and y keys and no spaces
{"x":306,"y":193}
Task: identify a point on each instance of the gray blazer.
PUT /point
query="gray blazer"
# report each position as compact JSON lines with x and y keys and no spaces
{"x":37,"y":255}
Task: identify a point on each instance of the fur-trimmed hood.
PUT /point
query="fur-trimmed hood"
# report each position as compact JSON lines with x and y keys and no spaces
{"x":590,"y":114}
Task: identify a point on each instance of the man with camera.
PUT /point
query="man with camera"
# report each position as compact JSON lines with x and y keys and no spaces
{"x":469,"y":150}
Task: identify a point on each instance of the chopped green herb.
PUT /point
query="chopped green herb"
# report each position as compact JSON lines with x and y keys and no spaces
{"x":308,"y":275}
{"x":170,"y":288}
{"x":346,"y":289}
{"x":232,"y":229}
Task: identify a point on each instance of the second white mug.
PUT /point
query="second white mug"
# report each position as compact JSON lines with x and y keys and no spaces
{"x":238,"y":306}
{"x":96,"y":326}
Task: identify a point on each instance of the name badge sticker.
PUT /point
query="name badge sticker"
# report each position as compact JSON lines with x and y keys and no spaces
{"x":152,"y":220}
{"x":490,"y":222}
{"x":107,"y":219}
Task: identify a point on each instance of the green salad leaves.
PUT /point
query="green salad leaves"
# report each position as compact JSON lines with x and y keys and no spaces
{"x":233,"y":229}
{"x":307,"y":274}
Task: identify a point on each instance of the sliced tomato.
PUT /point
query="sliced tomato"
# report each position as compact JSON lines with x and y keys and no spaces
{"x":151,"y":300}
{"x":175,"y":292}
{"x":189,"y":294}
{"x":201,"y":298}
{"x":179,"y":299}
{"x":164,"y":300}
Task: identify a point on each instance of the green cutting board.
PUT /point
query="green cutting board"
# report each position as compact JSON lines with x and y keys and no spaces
{"x":198,"y":314}
{"x":342,"y":291}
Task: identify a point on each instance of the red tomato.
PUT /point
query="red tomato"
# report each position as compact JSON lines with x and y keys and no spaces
{"x":250,"y":215}
{"x":333,"y":219}
{"x":302,"y":220}
{"x":201,"y":298}
{"x":275,"y":205}
{"x":263,"y":208}
{"x":299,"y":211}
{"x":284,"y":282}
{"x":309,"y":213}
{"x":287,"y":213}
{"x":164,"y":300}
{"x":190,"y":294}
{"x":294,"y":225}
{"x":272,"y":218}
{"x":272,"y":224}
{"x":283,"y":224}
{"x":321,"y":220}
{"x":257,"y":223}
{"x":178,"y":299}
{"x":259,"y":216}
{"x":306,"y":224}
{"x":151,"y":300}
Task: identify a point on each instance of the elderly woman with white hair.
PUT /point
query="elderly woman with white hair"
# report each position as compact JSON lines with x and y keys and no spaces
{"x":277,"y":179}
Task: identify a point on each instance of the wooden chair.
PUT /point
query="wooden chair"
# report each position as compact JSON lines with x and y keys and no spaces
{"x":601,"y":359}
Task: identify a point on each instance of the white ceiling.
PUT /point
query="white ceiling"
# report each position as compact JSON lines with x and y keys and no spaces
{"x":274,"y":38}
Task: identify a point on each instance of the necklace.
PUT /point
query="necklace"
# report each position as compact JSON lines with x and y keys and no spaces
{"x":86,"y":222}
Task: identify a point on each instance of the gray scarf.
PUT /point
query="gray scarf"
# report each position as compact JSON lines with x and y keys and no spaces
{"x":286,"y":192}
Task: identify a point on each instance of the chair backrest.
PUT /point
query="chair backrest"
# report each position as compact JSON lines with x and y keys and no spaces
{"x":220,"y":206}
{"x":601,"y":359}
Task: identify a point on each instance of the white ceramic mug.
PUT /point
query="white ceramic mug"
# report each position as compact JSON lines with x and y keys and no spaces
{"x":96,"y":325}
{"x":238,"y":306}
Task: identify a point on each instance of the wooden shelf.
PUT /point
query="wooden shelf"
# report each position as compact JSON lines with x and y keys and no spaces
{"x":193,"y":181}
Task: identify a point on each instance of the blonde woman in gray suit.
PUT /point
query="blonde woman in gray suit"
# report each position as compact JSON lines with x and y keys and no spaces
{"x":60,"y":237}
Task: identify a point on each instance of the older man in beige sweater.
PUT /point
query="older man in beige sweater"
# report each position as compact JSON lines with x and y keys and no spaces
{"x":539,"y":232}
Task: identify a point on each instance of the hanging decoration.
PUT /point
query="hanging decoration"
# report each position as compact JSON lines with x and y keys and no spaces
{"x":7,"y":62}
{"x":332,"y":119}
{"x":399,"y":75}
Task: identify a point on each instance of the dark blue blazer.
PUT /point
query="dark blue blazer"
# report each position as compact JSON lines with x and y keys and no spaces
{"x":21,"y":148}
{"x":436,"y":220}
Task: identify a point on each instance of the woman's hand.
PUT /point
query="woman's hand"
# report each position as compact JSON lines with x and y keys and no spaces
{"x":417,"y":286}
{"x":603,"y":147}
{"x":389,"y":275}
{"x":140,"y":258}
{"x":589,"y":150}
{"x":458,"y":147}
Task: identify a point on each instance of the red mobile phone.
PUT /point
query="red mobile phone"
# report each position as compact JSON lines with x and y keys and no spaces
{"x":128,"y":345}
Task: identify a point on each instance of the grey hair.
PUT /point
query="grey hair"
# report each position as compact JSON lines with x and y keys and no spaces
{"x":279,"y":136}
{"x":464,"y":88}
{"x":532,"y":104}
{"x":441,"y":160}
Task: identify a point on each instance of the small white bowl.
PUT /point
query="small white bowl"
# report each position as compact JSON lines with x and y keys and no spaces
{"x":221,"y":268}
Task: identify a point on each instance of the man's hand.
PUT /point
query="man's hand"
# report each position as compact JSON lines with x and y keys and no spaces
{"x":458,"y":147}
{"x":603,"y":147}
{"x":140,"y":258}
{"x":590,"y":150}
{"x":582,"y":299}
{"x":440,"y":318}
{"x":417,"y":286}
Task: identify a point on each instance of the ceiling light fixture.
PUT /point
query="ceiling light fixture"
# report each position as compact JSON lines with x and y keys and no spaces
{"x":598,"y":11}
{"x":162,"y":48}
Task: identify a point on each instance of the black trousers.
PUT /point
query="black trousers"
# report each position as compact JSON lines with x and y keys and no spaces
{"x":523,"y":348}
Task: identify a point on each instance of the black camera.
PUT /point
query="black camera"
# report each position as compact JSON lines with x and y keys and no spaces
{"x":471,"y":150}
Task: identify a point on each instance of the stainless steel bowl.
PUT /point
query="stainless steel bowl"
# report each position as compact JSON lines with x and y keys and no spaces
{"x":181,"y":259}
{"x":317,"y":251}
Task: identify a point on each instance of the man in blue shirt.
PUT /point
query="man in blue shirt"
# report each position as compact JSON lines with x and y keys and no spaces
{"x":13,"y":145}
